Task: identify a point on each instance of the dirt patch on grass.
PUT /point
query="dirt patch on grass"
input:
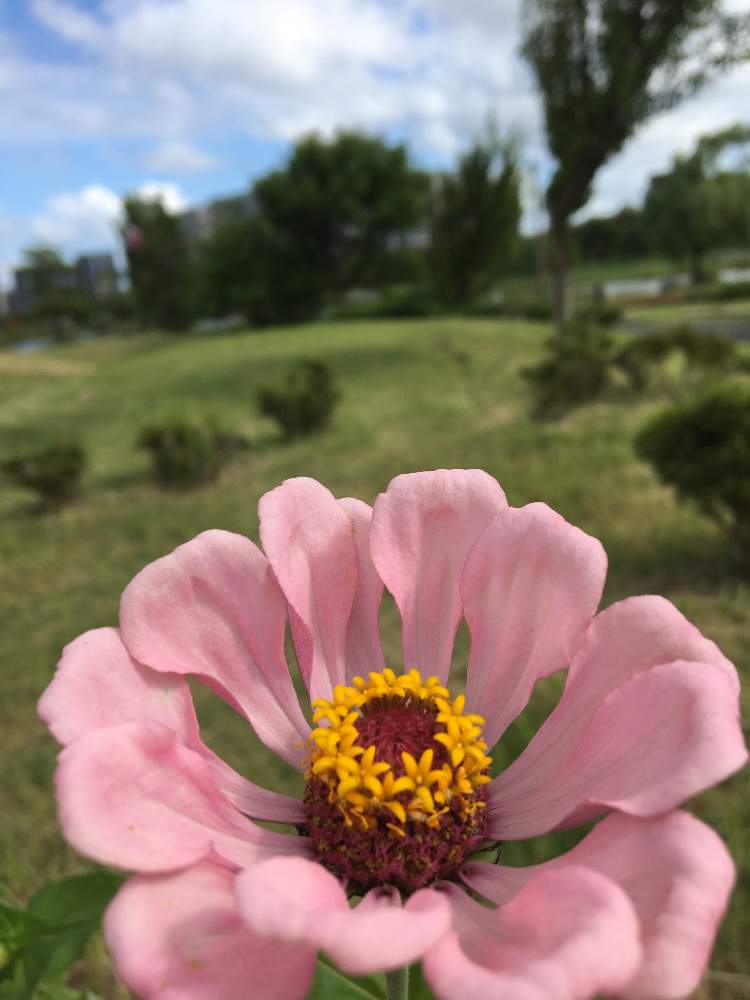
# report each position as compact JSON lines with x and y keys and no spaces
{"x":20,"y":364}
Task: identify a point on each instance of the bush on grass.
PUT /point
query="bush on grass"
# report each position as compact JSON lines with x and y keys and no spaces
{"x":735,"y":291}
{"x":639,"y":358}
{"x":53,"y":472}
{"x":599,"y":312}
{"x":305,"y":401}
{"x":702,"y":449}
{"x":575,"y":371}
{"x":188,"y":452}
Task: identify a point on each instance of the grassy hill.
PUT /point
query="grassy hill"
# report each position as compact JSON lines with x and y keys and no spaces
{"x":415,"y":395}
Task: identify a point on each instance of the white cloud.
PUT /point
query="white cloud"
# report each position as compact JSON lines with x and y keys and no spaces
{"x":176,"y":72}
{"x":67,"y":21}
{"x":166,"y":192}
{"x":179,"y":157}
{"x":274,"y":69}
{"x":79,"y":218}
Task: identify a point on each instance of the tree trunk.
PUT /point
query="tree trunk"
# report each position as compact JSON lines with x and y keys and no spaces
{"x":560,"y":263}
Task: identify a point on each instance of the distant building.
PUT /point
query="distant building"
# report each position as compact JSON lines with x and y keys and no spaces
{"x":199,"y":224}
{"x":96,"y":275}
{"x":92,"y":275}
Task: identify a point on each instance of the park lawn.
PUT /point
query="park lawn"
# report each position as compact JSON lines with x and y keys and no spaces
{"x":415,"y":395}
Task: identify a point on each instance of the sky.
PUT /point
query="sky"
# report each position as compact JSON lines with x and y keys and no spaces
{"x":190,"y":99}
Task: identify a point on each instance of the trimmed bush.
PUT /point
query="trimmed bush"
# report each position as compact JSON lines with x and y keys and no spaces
{"x":54,"y":472}
{"x":576,"y":370}
{"x":305,"y":401}
{"x":186,"y":453}
{"x":702,"y":449}
{"x":715,"y":292}
{"x":700,"y":351}
{"x":599,"y":312}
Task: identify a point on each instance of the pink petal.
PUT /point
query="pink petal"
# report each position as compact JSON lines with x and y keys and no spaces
{"x":133,"y":796}
{"x":423,"y":527}
{"x":253,"y":800}
{"x":531,"y":585}
{"x":364,"y":652}
{"x":585,"y":751}
{"x":97,"y":684}
{"x":213,"y":608}
{"x":657,"y":739}
{"x":180,"y":936}
{"x":566,"y":936}
{"x":298,"y":900}
{"x":308,"y":539}
{"x":676,"y":872}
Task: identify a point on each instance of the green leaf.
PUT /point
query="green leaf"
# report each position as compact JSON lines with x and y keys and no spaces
{"x":418,"y":988}
{"x":56,"y":991}
{"x":330,"y":984}
{"x":41,"y":942}
{"x":18,"y":929}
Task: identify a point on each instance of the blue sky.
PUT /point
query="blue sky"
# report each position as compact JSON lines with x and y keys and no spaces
{"x":193,"y":98}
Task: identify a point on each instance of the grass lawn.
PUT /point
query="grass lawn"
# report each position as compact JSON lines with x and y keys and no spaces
{"x":415,"y":395}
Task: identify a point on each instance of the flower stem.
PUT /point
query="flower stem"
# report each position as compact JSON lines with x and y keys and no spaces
{"x":397,"y":984}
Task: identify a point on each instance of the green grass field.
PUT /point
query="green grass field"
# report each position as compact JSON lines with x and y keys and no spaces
{"x":409,"y":401}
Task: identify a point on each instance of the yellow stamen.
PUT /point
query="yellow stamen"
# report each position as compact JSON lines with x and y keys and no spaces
{"x":361,"y":785}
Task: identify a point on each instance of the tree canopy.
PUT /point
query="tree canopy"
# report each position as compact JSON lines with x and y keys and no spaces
{"x":337,"y":215}
{"x":158,"y":262}
{"x":604,"y":67}
{"x":696,"y":206}
{"x":474,"y":220}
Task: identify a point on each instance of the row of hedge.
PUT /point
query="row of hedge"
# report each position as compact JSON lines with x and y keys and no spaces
{"x":185,"y":452}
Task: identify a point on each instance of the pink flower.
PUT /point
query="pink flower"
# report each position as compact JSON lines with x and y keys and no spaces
{"x":223,"y":908}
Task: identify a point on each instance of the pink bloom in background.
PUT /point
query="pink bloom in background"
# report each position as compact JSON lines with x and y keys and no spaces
{"x":221,"y":908}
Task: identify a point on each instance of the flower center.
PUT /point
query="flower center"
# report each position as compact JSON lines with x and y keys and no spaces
{"x":396,"y":782}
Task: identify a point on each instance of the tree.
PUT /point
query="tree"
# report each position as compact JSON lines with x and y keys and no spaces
{"x":614,"y":237}
{"x":338,"y":215}
{"x":226,"y":267}
{"x":474,"y":221}
{"x":158,"y":263}
{"x":603,"y":68}
{"x":46,"y":269}
{"x":695,"y":207}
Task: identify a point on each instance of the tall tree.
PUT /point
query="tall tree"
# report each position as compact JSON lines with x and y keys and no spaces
{"x":333,"y":218}
{"x":158,"y":263}
{"x":695,"y":206}
{"x":474,"y":220}
{"x":603,"y":68}
{"x":45,"y":269}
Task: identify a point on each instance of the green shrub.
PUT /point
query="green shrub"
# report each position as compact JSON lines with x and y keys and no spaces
{"x":599,"y":312}
{"x":188,"y":452}
{"x":406,"y":302}
{"x":737,"y":290}
{"x":715,"y":292}
{"x":702,"y":449}
{"x":394,"y":302}
{"x":304,"y":403}
{"x":53,"y":472}
{"x":576,"y":370}
{"x":700,"y":351}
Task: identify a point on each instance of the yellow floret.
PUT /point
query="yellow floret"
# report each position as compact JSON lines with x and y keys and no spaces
{"x":362,"y":786}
